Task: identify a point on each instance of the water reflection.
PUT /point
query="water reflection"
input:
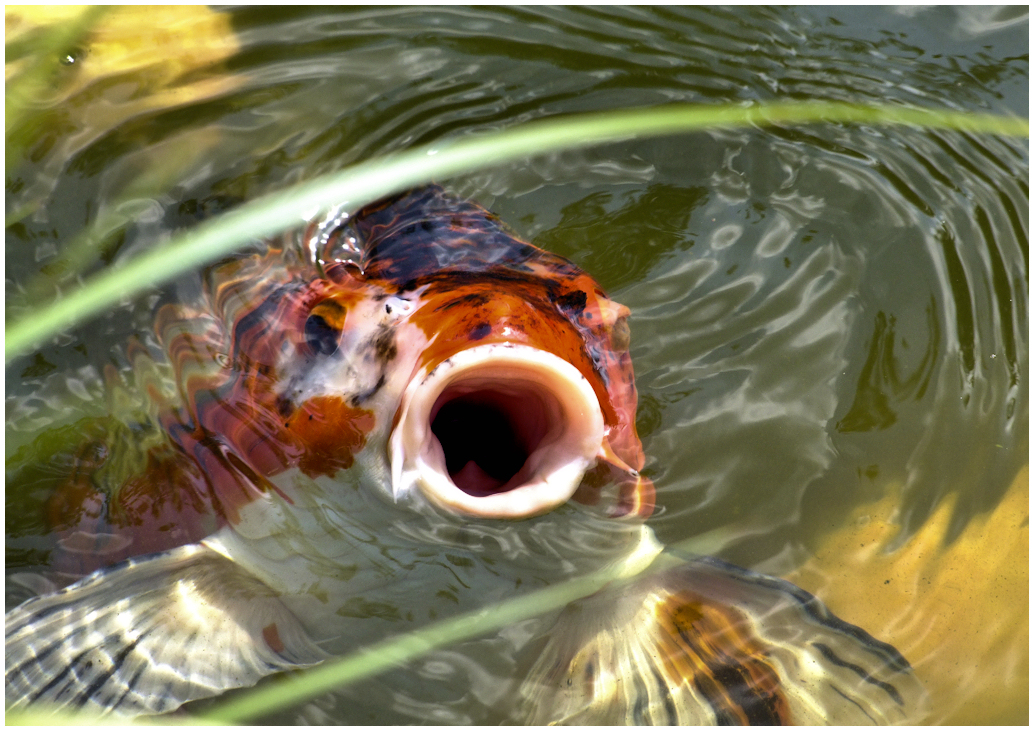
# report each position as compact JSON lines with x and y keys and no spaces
{"x":820,"y":316}
{"x":881,"y":382}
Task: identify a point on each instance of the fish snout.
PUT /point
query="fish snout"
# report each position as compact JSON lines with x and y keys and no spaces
{"x":497,"y":431}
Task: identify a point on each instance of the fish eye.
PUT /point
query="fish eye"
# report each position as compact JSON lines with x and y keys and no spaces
{"x":323,"y":327}
{"x":320,"y":336}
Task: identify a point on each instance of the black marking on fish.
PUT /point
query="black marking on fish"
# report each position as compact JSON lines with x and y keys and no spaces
{"x":473,"y":299}
{"x":480,"y":331}
{"x":131,"y":685}
{"x":592,"y":349}
{"x":670,"y":712}
{"x":710,"y":686}
{"x":427,"y":230}
{"x":60,"y":676}
{"x":572,"y":304}
{"x":99,"y":683}
{"x":384,"y":345}
{"x":853,"y":702}
{"x":814,"y":609}
{"x":39,"y":657}
{"x":760,"y":708}
{"x":40,"y":614}
{"x":639,"y":715}
{"x":284,"y":407}
{"x":357,"y":399}
{"x":261,"y":315}
{"x":320,"y":336}
{"x":889,"y":689}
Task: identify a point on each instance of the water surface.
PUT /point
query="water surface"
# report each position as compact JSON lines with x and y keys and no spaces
{"x":820,"y":314}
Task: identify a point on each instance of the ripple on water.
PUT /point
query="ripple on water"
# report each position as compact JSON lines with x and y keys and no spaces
{"x":820,"y":314}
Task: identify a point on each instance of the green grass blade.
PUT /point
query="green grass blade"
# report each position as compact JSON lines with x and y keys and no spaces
{"x":396,"y":651}
{"x":374,"y":179}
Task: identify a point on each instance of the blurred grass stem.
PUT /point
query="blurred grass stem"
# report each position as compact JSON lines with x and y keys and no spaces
{"x":374,"y":179}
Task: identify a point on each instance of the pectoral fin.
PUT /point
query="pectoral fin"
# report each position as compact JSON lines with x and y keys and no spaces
{"x":707,"y":642}
{"x":150,"y":634}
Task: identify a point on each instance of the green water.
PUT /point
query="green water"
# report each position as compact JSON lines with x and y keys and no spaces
{"x":818,"y":312}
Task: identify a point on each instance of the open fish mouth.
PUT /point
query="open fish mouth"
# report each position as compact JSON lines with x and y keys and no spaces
{"x":498,"y":431}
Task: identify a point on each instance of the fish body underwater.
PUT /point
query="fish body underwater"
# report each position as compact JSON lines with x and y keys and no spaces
{"x":415,"y":367}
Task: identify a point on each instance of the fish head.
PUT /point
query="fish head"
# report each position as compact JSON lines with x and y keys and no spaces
{"x":524,"y":384}
{"x":518,"y":388}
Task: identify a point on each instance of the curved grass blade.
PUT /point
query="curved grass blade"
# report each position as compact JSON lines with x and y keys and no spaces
{"x":374,"y":179}
{"x":398,"y":650}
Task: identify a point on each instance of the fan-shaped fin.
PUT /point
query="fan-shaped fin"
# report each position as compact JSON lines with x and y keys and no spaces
{"x":707,"y":642}
{"x":150,"y":634}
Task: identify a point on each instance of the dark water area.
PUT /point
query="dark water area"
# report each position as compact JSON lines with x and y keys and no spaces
{"x":820,"y":314}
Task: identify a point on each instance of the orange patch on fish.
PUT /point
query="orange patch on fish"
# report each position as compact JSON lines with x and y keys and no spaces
{"x":712,"y":648}
{"x":329,"y":432}
{"x":485,"y":314}
{"x":271,"y":635}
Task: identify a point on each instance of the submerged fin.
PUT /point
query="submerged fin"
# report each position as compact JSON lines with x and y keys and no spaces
{"x":707,"y":642}
{"x":150,"y":634}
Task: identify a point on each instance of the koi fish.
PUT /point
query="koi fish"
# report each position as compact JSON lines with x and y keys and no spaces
{"x":320,"y":419}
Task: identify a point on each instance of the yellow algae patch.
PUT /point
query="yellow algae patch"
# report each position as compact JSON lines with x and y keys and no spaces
{"x":958,"y":613}
{"x":166,"y":40}
{"x":75,"y":74}
{"x":131,"y":61}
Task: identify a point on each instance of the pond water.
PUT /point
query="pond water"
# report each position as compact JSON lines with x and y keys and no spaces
{"x":821,"y":315}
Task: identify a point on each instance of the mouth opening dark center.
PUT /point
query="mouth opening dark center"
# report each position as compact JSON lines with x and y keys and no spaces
{"x":487,"y":436}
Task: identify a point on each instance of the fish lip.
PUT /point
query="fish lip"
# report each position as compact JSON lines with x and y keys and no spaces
{"x":568,"y":443}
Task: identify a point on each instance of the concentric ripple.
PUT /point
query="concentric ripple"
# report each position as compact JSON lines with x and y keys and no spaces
{"x":819,"y":314}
